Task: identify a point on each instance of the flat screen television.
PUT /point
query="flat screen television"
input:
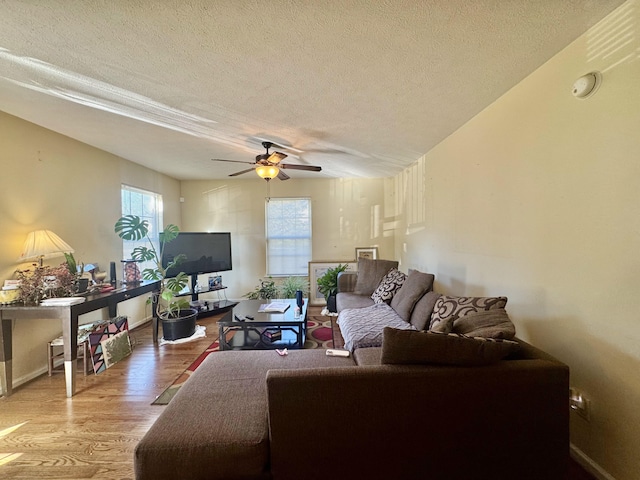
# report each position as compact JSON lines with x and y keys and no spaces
{"x":207,"y":252}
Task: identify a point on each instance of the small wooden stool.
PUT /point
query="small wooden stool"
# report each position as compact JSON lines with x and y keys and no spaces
{"x":83,"y":353}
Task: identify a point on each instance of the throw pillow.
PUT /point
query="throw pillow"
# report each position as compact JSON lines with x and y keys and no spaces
{"x":389,"y":285}
{"x":410,"y":347}
{"x":414,"y":287}
{"x":488,"y":324}
{"x":421,"y":315}
{"x":370,"y":272}
{"x":444,"y":326}
{"x":450,"y":306}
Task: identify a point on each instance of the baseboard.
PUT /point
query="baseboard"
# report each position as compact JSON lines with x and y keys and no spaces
{"x":30,"y":376}
{"x":588,"y":464}
{"x":43,"y":370}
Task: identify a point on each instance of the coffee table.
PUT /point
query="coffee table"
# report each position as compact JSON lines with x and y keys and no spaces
{"x":265,"y":330}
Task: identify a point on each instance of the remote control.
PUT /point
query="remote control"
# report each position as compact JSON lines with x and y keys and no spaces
{"x":250,"y":317}
{"x":338,"y":353}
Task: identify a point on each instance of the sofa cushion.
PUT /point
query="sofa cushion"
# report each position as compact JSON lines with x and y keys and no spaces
{"x":414,"y":287}
{"x":448,"y":306}
{"x":190,"y":439}
{"x":362,"y":327}
{"x":370,"y":272}
{"x":422,"y":310}
{"x":367,"y":356}
{"x":389,"y":285}
{"x":487,"y":323}
{"x":444,"y":326}
{"x":347,"y":281}
{"x":352,"y":300}
{"x":413,"y":347}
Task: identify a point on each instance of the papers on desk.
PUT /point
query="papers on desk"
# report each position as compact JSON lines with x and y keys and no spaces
{"x":274,"y":307}
{"x":61,"y":302}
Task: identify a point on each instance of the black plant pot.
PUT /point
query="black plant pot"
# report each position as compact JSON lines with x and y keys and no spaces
{"x":182,"y":326}
{"x":82,"y":285}
{"x":331,"y":304}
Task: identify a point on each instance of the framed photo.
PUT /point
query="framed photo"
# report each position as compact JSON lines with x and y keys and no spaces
{"x":367,"y":252}
{"x":316,"y":270}
{"x":215,"y":282}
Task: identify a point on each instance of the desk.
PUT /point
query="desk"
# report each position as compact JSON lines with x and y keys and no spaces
{"x":68,"y":316}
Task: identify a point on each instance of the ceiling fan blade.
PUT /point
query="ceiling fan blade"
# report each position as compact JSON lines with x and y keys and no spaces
{"x":243,"y":171}
{"x":231,"y":161}
{"x":276,"y":157}
{"x":283,"y":176}
{"x":293,"y":166}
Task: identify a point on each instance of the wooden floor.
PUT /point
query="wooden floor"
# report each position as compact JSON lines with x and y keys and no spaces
{"x":45,"y":435}
{"x":93,"y":434}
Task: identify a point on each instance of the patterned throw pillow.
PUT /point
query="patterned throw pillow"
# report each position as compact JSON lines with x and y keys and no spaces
{"x":388,"y":286}
{"x":444,"y":326}
{"x":450,"y":306}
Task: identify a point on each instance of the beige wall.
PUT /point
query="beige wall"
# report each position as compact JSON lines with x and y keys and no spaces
{"x":49,"y":181}
{"x":346,"y":214}
{"x":537,"y":198}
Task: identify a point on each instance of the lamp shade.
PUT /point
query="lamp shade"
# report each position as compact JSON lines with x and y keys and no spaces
{"x":267,"y":171}
{"x":43,"y":244}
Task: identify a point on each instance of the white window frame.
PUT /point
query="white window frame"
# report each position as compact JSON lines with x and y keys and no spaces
{"x":148,"y":206}
{"x":288,"y":229}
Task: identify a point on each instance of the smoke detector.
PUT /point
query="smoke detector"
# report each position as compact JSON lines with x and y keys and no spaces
{"x":587,"y":85}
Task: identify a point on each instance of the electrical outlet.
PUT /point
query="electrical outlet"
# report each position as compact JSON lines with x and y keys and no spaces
{"x":580,"y":404}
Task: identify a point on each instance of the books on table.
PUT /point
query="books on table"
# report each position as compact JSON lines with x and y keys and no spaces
{"x":61,"y":301}
{"x":274,"y":307}
{"x":273,"y":335}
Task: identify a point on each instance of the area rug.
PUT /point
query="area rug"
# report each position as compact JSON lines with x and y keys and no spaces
{"x":319,"y":335}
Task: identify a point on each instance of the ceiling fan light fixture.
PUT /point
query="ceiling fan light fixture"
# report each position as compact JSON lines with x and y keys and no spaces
{"x":267,"y":171}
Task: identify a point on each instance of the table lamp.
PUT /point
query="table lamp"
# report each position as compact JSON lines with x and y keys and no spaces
{"x":43,"y":244}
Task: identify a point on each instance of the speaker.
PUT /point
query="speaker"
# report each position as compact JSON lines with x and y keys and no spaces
{"x":112,"y":274}
{"x":299,"y":299}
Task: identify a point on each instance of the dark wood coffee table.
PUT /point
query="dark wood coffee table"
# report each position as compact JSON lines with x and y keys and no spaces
{"x":265,"y":330}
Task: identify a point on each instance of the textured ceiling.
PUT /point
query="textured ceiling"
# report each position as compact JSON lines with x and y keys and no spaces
{"x":359,"y":87}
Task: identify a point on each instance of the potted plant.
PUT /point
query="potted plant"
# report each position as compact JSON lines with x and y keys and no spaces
{"x":291,"y":285}
{"x":178,"y":319}
{"x":266,"y":290}
{"x":45,"y":282}
{"x":80,"y":283}
{"x":328,"y":285}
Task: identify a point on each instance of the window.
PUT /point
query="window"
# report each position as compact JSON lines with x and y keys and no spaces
{"x":288,"y":236}
{"x":147,"y":206}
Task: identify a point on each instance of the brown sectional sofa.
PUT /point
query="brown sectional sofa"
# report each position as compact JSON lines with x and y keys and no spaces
{"x":256,"y":415}
{"x":422,"y":405}
{"x":362,"y":320}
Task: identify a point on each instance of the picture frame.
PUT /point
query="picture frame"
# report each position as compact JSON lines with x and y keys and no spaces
{"x":102,"y":350}
{"x":367,"y":252}
{"x":215,"y":282}
{"x":316,"y":270}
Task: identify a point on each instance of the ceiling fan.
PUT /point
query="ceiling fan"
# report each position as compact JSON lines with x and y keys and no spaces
{"x":268,"y":165}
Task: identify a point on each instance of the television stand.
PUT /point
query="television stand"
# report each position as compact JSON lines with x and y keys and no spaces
{"x":209,"y":307}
